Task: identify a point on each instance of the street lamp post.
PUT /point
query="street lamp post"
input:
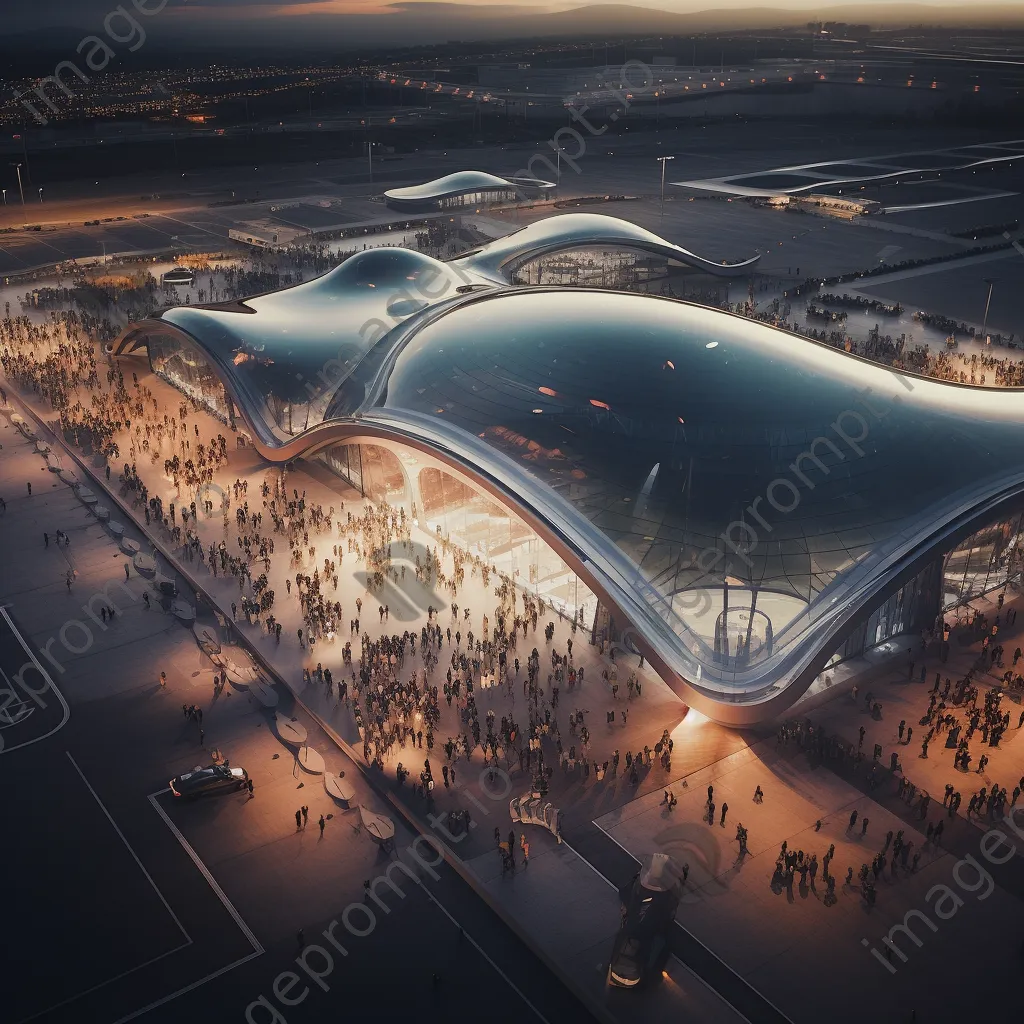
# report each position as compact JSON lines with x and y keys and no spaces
{"x":21,"y":188}
{"x":663,"y":160}
{"x":990,"y":281}
{"x":40,"y":194}
{"x":5,"y":195}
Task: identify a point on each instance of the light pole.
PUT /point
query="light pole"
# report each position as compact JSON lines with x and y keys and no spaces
{"x":21,"y":189}
{"x":663,"y":160}
{"x":40,"y":194}
{"x":5,"y":195}
{"x":990,"y":281}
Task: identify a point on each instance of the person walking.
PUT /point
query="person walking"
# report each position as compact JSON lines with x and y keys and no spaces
{"x":525,"y":847}
{"x":305,"y":815}
{"x":29,"y":486}
{"x":127,"y":575}
{"x":725,"y":811}
{"x":298,"y":820}
{"x":249,"y":785}
{"x":46,"y":540}
{"x":323,"y":824}
{"x":711,"y":812}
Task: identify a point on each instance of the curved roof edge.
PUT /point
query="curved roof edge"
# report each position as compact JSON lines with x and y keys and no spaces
{"x":767,"y":693}
{"x":500,"y":259}
{"x":461,"y":182}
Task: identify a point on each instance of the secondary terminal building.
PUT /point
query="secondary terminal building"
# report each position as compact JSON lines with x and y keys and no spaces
{"x":740,"y":504}
{"x":466,"y":188}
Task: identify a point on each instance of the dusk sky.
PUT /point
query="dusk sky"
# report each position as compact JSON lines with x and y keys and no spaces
{"x":83,"y":13}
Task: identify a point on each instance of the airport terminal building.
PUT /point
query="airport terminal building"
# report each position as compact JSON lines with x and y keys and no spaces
{"x":467,"y":189}
{"x":742,"y":505}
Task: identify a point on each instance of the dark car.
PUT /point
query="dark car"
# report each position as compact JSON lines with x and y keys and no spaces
{"x":179,"y":275}
{"x":217,"y":778}
{"x":649,"y":906}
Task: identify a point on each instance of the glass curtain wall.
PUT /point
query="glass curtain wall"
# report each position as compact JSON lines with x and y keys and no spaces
{"x":185,"y":367}
{"x":372,"y":470}
{"x":912,"y":608}
{"x":452,"y":510}
{"x":475,"y":198}
{"x":987,"y":560}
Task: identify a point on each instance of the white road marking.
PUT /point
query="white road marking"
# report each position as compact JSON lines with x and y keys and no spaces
{"x":205,"y":871}
{"x":174,"y":917}
{"x":4,"y":749}
{"x":103,"y":984}
{"x":187,"y":988}
{"x":476,"y":945}
{"x":135,"y":857}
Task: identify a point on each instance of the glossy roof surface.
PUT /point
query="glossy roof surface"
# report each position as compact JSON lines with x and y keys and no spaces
{"x":671,"y":447}
{"x":499,"y":259}
{"x":308,"y":339}
{"x":683,"y":438}
{"x":459,"y":182}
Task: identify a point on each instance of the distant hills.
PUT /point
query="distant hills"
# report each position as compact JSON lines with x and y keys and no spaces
{"x":202,"y":30}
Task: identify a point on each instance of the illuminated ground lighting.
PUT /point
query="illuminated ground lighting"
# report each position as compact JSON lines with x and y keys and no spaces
{"x":711,"y":344}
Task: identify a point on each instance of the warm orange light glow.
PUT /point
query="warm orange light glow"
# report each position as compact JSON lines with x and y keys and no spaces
{"x":599,"y":404}
{"x":548,"y":391}
{"x":669,"y":365}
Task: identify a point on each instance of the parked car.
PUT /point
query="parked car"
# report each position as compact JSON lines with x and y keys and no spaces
{"x":216,"y":778}
{"x":649,"y":906}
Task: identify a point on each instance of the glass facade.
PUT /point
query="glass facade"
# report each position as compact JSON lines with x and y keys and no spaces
{"x":445,"y":508}
{"x":497,"y":195}
{"x":474,"y":522}
{"x":371,"y":469}
{"x":912,"y":608}
{"x":184,"y":366}
{"x":593,"y":268}
{"x":985,"y":561}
